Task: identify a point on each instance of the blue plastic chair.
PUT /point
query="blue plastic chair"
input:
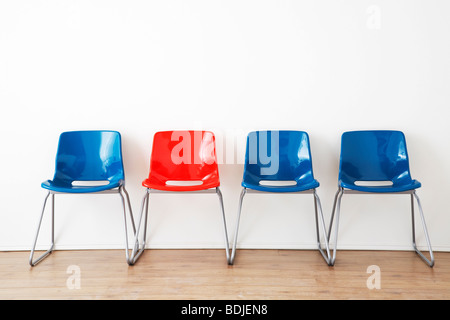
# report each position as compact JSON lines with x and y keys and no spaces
{"x":280,"y":156}
{"x":86,"y":162}
{"x":376,"y":162}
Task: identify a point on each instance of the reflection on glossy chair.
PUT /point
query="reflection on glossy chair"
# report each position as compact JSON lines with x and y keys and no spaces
{"x":181,"y":161}
{"x":280,"y":156}
{"x":376,"y":156}
{"x":86,"y":162}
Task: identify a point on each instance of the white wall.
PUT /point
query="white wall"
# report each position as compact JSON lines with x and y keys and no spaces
{"x":228,"y":66}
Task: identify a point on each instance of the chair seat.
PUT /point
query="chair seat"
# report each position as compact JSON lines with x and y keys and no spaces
{"x":58,"y":186}
{"x":412,"y":185}
{"x":152,"y":184}
{"x":295,"y":188}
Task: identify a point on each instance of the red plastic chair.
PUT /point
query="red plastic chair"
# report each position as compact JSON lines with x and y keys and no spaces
{"x":181,"y":161}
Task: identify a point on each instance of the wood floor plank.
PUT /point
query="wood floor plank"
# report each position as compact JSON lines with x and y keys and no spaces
{"x":204,"y":274}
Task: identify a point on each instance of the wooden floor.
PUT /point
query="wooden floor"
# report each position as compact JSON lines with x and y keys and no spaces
{"x":204,"y":274}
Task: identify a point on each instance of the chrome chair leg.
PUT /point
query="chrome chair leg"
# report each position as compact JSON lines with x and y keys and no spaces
{"x":138,"y":249}
{"x":335,"y":215}
{"x":318,"y":208}
{"x":43,"y":256}
{"x":122,"y":190}
{"x":127,"y":196}
{"x":429,"y":262}
{"x":227,"y":246}
{"x":233,"y":253}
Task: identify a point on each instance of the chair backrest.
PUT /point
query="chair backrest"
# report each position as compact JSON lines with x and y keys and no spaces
{"x":184,"y":156}
{"x":89,"y":156}
{"x":374,"y":156}
{"x":278,"y":155}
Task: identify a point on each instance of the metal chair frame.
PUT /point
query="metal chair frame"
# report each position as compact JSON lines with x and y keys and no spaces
{"x":120,"y":190}
{"x":336,"y":213}
{"x":139,"y":246}
{"x":317,"y":207}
